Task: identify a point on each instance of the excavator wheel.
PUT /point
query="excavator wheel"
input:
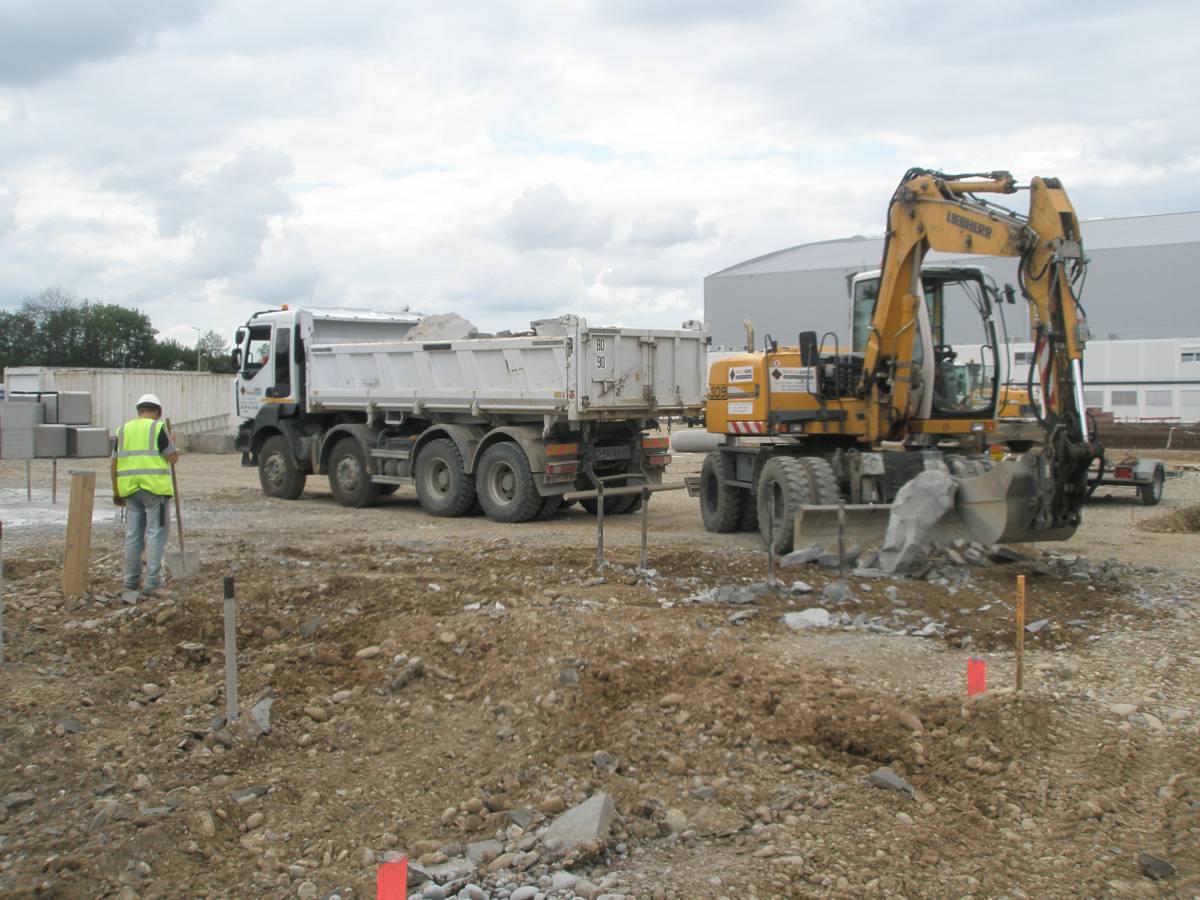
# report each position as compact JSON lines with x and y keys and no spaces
{"x":749,"y":519}
{"x":721,"y":503}
{"x":787,"y":480}
{"x":825,"y":488}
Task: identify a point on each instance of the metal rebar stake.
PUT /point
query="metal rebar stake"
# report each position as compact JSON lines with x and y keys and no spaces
{"x":645,"y":522}
{"x":231,"y":704}
{"x":54,"y":480}
{"x":600,"y":525}
{"x":29,"y":481}
{"x":771,"y":538}
{"x":842,"y":538}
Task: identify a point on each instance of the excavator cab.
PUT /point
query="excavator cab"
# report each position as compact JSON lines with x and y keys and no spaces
{"x":954,"y":354}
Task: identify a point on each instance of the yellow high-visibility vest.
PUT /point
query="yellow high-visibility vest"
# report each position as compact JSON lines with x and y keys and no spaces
{"x":140,"y":466}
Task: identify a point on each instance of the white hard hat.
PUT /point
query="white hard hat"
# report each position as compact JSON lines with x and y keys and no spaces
{"x":149,"y":400}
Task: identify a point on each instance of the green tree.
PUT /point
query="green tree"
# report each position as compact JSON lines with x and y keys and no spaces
{"x":214,"y":353}
{"x":56,"y":328}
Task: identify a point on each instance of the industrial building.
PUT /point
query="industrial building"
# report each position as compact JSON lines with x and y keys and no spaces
{"x":1140,"y":298}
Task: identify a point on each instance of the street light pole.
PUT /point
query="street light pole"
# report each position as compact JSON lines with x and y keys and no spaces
{"x":197,"y":330}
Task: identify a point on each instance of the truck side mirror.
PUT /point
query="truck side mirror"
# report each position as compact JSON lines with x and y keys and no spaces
{"x":808,"y":348}
{"x":235,"y":357}
{"x":1010,"y":294}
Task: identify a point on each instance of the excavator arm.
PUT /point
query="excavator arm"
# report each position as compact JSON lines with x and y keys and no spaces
{"x":932,"y":211}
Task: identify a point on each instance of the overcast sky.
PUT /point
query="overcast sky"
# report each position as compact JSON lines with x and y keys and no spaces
{"x":201,"y":159}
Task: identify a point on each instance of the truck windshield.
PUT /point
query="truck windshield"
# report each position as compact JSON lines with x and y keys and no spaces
{"x":258,"y":350}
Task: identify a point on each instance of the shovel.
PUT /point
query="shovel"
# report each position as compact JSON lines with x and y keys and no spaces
{"x":182,"y":564}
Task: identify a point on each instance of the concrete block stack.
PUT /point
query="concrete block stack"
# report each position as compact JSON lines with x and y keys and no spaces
{"x":50,"y":425}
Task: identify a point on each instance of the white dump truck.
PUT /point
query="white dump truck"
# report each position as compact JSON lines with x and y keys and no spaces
{"x":507,"y":423}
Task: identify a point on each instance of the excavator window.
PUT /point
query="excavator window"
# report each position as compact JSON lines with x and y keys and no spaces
{"x":964,"y":347}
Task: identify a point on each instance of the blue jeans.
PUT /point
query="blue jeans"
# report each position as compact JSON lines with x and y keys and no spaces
{"x":146,"y":527}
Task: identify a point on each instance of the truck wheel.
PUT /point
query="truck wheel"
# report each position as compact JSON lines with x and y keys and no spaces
{"x":277,"y":470}
{"x":613,"y":506}
{"x":721,"y":504}
{"x":443,"y":486}
{"x":787,"y":480}
{"x":505,"y":484}
{"x":349,"y":478}
{"x":550,"y":506}
{"x":1152,"y":492}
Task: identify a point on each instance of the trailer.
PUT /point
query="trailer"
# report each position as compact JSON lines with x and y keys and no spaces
{"x":505,"y":423}
{"x":1146,"y":476}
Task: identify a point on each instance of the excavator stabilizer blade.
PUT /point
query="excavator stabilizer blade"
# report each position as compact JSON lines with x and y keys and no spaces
{"x":862,"y":524}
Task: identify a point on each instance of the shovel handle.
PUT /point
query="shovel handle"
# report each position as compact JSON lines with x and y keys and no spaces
{"x":175,"y":498}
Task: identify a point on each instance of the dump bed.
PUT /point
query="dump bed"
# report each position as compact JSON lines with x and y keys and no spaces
{"x":564,"y":370}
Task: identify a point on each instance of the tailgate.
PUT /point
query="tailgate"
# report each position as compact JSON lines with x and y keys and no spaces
{"x":636,"y":371}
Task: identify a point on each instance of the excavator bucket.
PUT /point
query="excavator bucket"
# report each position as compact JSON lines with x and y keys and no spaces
{"x":994,"y":508}
{"x":997,"y":507}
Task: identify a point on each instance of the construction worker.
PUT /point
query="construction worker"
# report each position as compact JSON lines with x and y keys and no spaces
{"x":141,"y":477}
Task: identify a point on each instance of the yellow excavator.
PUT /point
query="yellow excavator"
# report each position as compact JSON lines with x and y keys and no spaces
{"x":816,"y":433}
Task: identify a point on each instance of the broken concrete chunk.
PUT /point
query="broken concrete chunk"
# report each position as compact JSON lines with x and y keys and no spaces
{"x":587,"y":823}
{"x":802,"y":557}
{"x":260,"y":715}
{"x":888,"y":780}
{"x":809,"y":618}
{"x":918,"y":507}
{"x":1155,"y":868}
{"x":739,"y":595}
{"x":442,"y":327}
{"x":1035,"y":627}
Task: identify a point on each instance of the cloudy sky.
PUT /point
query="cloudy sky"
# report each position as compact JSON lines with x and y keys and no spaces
{"x":201,"y":159}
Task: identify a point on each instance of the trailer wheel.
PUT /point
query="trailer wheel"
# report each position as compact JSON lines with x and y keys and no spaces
{"x":505,"y":484}
{"x":787,"y":480}
{"x":721,"y":504}
{"x":349,"y":478}
{"x":1153,"y":491}
{"x":277,"y":470}
{"x":443,"y":486}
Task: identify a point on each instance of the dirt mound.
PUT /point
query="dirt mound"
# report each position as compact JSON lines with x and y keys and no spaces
{"x":1182,"y":521}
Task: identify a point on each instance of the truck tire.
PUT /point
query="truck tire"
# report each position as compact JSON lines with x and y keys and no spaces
{"x":277,"y":470}
{"x":349,"y":478}
{"x":1153,"y":491}
{"x":505,"y":484}
{"x":550,"y":507}
{"x":443,"y":486}
{"x":788,"y":479}
{"x":721,"y":504}
{"x":613,"y":506}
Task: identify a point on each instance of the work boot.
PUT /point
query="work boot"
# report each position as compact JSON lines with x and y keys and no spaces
{"x":157,"y":593}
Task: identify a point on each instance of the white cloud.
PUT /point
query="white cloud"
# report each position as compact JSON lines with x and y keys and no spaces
{"x":544,"y":217}
{"x":202,"y":161}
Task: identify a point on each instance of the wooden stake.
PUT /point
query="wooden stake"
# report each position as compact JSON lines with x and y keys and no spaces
{"x":1020,"y":632}
{"x":79,"y":533}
